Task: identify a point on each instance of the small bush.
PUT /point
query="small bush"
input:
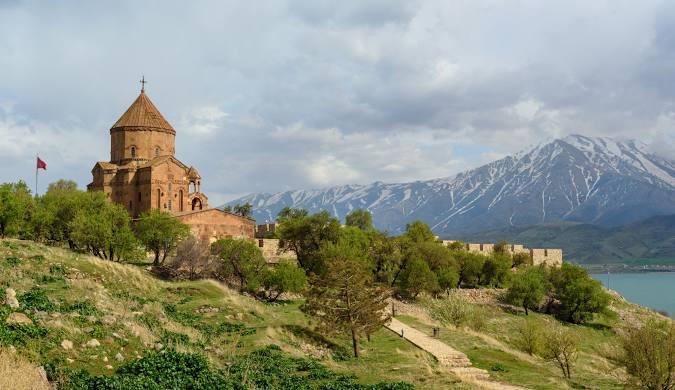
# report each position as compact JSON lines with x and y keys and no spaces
{"x":57,"y":269}
{"x":16,"y":334}
{"x":649,"y":355}
{"x":530,"y":336}
{"x":498,"y":367}
{"x":561,"y":346}
{"x":452,"y":310}
{"x":36,"y":299}
{"x":12,"y":261}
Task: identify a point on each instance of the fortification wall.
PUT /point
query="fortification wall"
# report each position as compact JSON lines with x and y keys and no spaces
{"x":271,"y":252}
{"x":550,"y":257}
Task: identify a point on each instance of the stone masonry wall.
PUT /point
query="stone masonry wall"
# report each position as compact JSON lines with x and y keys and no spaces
{"x":551,"y":257}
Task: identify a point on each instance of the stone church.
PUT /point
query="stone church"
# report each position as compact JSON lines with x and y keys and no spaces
{"x":143,"y":173}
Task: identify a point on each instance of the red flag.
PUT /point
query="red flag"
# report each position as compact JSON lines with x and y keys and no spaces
{"x":41,"y":164}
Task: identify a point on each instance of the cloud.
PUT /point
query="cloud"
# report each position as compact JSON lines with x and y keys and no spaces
{"x":294,"y":93}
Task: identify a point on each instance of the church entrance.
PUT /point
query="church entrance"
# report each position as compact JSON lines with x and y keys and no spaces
{"x":196,"y":204}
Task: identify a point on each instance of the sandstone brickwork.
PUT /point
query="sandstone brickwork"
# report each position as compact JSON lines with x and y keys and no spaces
{"x":271,"y":252}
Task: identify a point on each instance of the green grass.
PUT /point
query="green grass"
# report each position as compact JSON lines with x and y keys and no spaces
{"x":190,"y":316}
{"x":203,"y":316}
{"x":495,"y":350}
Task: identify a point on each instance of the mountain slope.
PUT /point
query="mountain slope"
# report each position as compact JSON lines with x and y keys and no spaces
{"x":594,"y":180}
{"x":586,"y":243}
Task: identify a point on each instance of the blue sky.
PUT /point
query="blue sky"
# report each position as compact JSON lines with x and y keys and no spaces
{"x":276,"y":95}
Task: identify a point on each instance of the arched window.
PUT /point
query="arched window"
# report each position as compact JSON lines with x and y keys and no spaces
{"x":157,"y":151}
{"x":159,"y":195}
{"x":180,"y":200}
{"x":169,"y":204}
{"x":133,"y":152}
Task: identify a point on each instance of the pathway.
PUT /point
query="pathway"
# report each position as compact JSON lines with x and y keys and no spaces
{"x":455,"y":360}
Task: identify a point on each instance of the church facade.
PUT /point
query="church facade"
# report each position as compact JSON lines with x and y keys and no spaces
{"x":143,"y":173}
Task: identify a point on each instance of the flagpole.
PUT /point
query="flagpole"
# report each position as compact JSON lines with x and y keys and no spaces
{"x":36,"y":173}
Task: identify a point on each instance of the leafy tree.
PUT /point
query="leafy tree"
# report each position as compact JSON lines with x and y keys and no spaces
{"x":284,"y":277}
{"x":418,"y":277}
{"x":304,"y":235}
{"x":361,"y":219}
{"x":353,"y":236}
{"x":470,"y":268}
{"x":649,"y":355}
{"x":561,"y":346}
{"x":244,"y":210}
{"x":521,"y":259}
{"x":291,"y":213}
{"x":241,"y":259}
{"x":62,"y":185}
{"x":501,"y":248}
{"x":527,"y":289}
{"x":15,"y":203}
{"x":456,"y":246}
{"x":580,"y":296}
{"x":102,"y":228}
{"x":55,"y":212}
{"x":386,"y":256}
{"x":496,"y":270}
{"x":419,"y":231}
{"x":344,"y":299}
{"x":160,"y":232}
{"x":436,"y":255}
{"x":448,"y":277}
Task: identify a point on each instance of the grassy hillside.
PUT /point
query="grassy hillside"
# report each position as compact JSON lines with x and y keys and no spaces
{"x":130,"y":313}
{"x":653,"y":238}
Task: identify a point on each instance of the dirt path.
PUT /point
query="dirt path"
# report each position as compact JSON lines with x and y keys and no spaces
{"x":455,"y":360}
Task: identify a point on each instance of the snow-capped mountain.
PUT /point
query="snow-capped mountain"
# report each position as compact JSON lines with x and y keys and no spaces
{"x":576,"y":178}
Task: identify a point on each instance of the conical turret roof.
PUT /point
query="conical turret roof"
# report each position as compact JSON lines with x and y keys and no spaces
{"x":142,"y":113}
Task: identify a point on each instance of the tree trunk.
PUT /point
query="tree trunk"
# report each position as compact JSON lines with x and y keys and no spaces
{"x":156,"y":262}
{"x":354,"y":344}
{"x":526,"y":313}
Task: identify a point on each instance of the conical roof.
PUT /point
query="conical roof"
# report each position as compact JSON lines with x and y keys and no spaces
{"x":142,"y":113}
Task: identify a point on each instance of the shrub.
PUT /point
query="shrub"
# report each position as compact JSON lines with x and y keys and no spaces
{"x":561,"y":346}
{"x":649,"y":355}
{"x":452,"y":310}
{"x":285,"y":277}
{"x":266,"y":368}
{"x":580,"y":296}
{"x":13,"y":261}
{"x":36,"y":299}
{"x":192,"y":259}
{"x":527,"y":289}
{"x":530,"y":336}
{"x":418,"y":277}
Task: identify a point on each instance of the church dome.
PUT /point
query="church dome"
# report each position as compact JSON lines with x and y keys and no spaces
{"x":142,"y":114}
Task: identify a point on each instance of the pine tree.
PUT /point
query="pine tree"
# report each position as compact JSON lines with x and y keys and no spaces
{"x":344,"y":299}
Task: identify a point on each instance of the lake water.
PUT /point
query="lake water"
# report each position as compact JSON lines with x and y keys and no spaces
{"x":655,"y":290}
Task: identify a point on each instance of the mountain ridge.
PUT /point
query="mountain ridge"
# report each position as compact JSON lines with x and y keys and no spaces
{"x":577,"y":178}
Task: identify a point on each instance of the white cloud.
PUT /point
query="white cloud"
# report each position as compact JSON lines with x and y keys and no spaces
{"x":293,"y":94}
